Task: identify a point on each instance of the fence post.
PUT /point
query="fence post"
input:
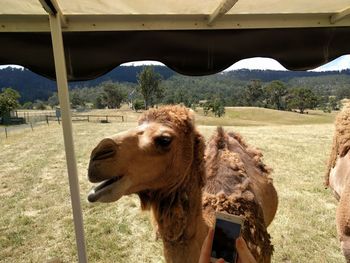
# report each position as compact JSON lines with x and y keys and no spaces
{"x":31,"y":126}
{"x":88,"y":118}
{"x":47,"y":119}
{"x":122,"y":118}
{"x":6,"y":132}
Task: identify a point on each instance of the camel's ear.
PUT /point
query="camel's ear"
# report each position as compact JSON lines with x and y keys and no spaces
{"x":199,"y":148}
{"x":199,"y":144}
{"x":191,"y":116}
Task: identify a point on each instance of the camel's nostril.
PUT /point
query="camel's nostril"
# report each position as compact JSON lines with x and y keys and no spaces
{"x":103,"y":154}
{"x":105,"y":149}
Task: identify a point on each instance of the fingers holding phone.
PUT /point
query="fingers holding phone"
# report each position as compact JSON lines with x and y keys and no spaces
{"x":206,"y":249}
{"x":244,"y":255}
{"x":227,"y":230}
{"x":239,"y":249}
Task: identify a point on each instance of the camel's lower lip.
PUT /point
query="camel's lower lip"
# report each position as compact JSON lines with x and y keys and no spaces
{"x":97,"y":191}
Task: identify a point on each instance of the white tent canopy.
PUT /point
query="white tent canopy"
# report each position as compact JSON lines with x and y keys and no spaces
{"x":82,"y":39}
{"x":88,"y":15}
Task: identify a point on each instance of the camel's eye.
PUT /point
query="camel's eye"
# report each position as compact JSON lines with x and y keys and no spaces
{"x":163,"y":141}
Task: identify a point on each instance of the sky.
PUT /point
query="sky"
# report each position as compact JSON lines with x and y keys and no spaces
{"x":340,"y":63}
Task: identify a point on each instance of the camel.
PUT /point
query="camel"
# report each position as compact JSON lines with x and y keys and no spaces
{"x":163,"y":161}
{"x":338,"y":177}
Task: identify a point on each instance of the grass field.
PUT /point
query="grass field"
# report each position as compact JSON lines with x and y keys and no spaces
{"x":36,"y":221}
{"x":252,"y":116}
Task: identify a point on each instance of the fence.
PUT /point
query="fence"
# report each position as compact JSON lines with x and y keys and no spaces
{"x":32,"y":119}
{"x":96,"y":117}
{"x":7,"y":130}
{"x":88,"y":118}
{"x":46,"y":116}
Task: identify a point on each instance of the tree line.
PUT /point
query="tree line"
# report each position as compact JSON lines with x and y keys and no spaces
{"x":35,"y":87}
{"x":212,"y":93}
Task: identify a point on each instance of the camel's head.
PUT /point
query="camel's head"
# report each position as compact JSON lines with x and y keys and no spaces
{"x":156,"y":156}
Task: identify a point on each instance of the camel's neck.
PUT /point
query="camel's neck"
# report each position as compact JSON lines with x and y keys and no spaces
{"x":180,"y":220}
{"x":185,"y":232}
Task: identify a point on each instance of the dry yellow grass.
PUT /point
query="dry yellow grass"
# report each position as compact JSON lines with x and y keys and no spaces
{"x":253,"y":116}
{"x":36,"y":222}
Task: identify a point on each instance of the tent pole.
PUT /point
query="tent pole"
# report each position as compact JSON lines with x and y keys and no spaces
{"x":62,"y":85}
{"x":339,"y":16}
{"x":221,"y":10}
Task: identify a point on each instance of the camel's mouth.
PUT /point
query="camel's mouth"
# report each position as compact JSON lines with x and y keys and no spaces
{"x":102,"y":189}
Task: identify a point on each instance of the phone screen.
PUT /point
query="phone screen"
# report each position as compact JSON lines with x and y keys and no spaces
{"x":224,"y":242}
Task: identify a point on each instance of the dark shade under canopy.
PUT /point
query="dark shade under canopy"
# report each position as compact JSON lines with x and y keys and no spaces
{"x":189,"y":52}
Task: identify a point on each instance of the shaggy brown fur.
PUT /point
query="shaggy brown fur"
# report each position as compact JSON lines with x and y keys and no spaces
{"x":229,"y":189}
{"x":220,"y":148}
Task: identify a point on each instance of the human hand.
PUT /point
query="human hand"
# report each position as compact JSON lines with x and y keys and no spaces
{"x":244,"y":254}
{"x":206,"y":249}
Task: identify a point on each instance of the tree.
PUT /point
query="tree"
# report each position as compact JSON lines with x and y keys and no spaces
{"x":343,"y":92}
{"x":216,"y":106}
{"x":333,"y":103}
{"x":275,"y":93}
{"x":8,"y":101}
{"x":112,"y":96}
{"x":149,"y":86}
{"x":76,"y":100}
{"x":53,"y":100}
{"x":182,"y":95}
{"x":27,"y":105}
{"x":301,"y":99}
{"x":98,"y":104}
{"x":206,"y":107}
{"x":253,"y":93}
{"x":329,"y":103}
{"x":138,"y":105}
{"x":39,"y":105}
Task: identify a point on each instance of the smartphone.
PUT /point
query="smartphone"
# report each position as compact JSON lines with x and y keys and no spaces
{"x":227,"y":230}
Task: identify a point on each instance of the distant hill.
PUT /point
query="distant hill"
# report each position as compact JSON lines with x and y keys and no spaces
{"x":32,"y":86}
{"x":124,"y":74}
{"x":285,"y":76}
